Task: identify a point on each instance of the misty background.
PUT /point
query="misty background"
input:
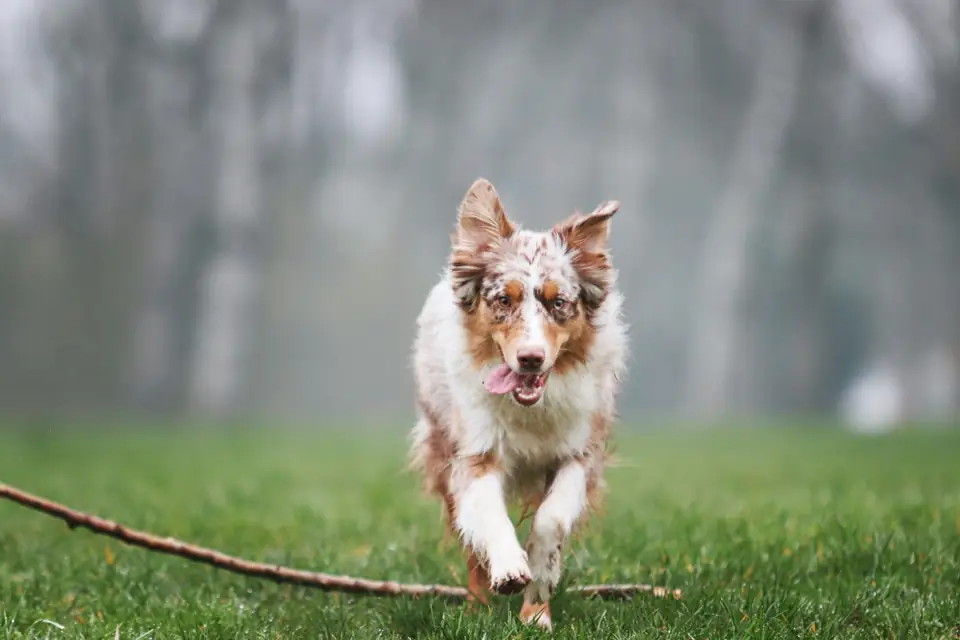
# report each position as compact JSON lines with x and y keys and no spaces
{"x":224,"y":208}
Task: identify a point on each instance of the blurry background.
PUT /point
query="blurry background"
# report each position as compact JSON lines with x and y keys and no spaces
{"x":227,"y":208}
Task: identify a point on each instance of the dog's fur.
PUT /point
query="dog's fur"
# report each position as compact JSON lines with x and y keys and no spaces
{"x":508,"y":293}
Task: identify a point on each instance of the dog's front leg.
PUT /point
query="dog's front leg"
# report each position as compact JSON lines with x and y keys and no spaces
{"x":483,"y":523}
{"x":564,"y":503}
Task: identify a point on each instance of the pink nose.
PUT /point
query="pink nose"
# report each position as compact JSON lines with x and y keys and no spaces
{"x":531,"y":359}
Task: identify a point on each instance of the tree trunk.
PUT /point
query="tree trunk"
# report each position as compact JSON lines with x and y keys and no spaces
{"x":228,"y":286}
{"x":723,"y":284}
{"x":809,"y":245}
{"x":170,"y":263}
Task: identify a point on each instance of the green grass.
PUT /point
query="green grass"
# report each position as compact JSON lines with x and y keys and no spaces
{"x":776,"y":533}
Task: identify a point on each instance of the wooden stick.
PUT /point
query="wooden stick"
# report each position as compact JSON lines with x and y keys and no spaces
{"x":277,"y":573}
{"x":625,"y":591}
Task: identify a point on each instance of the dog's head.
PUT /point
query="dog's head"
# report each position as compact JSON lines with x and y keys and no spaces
{"x":529,"y":298}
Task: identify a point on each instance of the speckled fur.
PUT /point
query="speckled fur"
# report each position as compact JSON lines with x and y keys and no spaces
{"x":477,"y":450}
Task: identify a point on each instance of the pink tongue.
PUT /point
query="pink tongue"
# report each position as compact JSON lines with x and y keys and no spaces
{"x":502,"y":380}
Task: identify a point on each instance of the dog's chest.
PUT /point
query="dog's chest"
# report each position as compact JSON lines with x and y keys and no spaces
{"x":557,"y":427}
{"x":551,"y":431}
{"x":529,"y":452}
{"x":536,"y":448}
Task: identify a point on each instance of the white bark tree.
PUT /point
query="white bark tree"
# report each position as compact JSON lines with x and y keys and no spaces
{"x":723,"y":282}
{"x":229,"y":284}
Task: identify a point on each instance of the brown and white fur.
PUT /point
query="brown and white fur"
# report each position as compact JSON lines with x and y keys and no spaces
{"x":517,"y":363}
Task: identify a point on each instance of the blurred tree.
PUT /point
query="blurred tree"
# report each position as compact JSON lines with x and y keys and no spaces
{"x":716,"y":338}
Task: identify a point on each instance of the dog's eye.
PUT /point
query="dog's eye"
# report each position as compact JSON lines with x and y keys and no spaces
{"x":559,"y":303}
{"x":504,"y":301}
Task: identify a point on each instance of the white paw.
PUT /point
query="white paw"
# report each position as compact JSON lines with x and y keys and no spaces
{"x":509,"y":573}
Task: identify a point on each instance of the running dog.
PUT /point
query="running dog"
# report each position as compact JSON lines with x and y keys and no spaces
{"x":517,"y":363}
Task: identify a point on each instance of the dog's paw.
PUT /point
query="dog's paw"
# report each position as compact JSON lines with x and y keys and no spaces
{"x":510,"y":584}
{"x":510,"y":576}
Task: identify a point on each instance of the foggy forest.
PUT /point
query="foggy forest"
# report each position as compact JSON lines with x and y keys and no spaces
{"x":236,"y":207}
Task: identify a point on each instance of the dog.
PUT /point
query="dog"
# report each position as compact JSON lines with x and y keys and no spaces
{"x":518,"y":359}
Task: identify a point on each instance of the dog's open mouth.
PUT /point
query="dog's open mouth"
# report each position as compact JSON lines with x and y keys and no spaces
{"x":527,"y":388}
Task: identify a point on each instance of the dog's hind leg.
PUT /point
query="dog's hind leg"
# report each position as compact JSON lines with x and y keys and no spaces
{"x":479,"y":581}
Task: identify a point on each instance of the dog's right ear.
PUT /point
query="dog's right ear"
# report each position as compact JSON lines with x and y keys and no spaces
{"x":481,"y":225}
{"x":482,"y":220}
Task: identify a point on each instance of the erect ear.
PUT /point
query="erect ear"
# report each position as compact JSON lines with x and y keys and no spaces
{"x":481,"y":226}
{"x":589,"y":233}
{"x":586,"y":237}
{"x":482,"y":220}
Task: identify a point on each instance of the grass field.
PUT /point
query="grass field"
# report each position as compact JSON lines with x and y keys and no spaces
{"x":774,"y":533}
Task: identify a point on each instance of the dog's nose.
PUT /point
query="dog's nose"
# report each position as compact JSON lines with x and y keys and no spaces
{"x":531,"y":359}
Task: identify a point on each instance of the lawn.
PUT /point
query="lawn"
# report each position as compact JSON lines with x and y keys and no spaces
{"x":782,"y":532}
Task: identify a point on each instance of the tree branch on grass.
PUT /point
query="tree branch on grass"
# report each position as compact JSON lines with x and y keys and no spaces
{"x":277,"y":573}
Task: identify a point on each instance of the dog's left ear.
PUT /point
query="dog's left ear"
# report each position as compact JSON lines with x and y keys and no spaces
{"x":586,"y":236}
{"x":588,"y":233}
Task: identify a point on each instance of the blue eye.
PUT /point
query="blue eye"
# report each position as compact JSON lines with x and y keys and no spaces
{"x":559,"y":303}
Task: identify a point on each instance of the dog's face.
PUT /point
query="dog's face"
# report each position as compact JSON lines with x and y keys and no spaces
{"x":528,"y":297}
